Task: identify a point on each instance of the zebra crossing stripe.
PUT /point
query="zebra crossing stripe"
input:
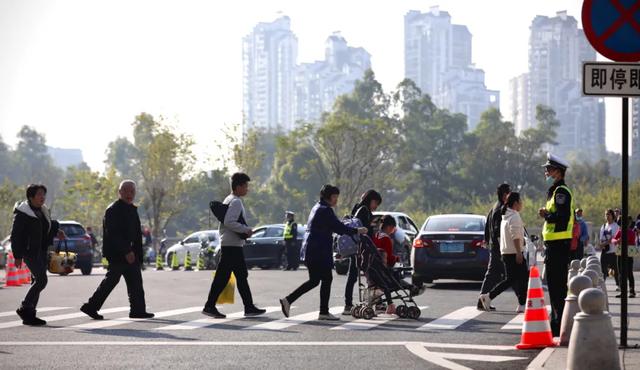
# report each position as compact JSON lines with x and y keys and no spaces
{"x":101,"y":324}
{"x":363,"y":324}
{"x":453,"y":320}
{"x":68,"y":316}
{"x":209,"y":321}
{"x":292,"y":321}
{"x":516,"y":322}
{"x":42,"y":309}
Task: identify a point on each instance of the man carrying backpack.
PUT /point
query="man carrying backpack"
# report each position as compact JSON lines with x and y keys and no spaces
{"x":233,"y":233}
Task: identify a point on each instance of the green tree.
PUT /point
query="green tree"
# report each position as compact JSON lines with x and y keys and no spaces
{"x":86,"y":195}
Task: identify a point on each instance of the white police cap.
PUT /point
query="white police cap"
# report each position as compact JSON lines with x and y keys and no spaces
{"x":557,"y":162}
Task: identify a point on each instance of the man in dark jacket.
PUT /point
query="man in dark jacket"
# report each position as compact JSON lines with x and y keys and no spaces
{"x":32,"y":233}
{"x":317,"y":251}
{"x":122,"y":246}
{"x":495,"y":270}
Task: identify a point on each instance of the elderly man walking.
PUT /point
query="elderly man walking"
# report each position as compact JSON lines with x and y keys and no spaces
{"x":122,"y":246}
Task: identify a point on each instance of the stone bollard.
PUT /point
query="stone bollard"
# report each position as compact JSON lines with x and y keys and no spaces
{"x":593,"y":341}
{"x":595,"y":278}
{"x":574,"y":266}
{"x":576,"y":285}
{"x":583,"y":265}
{"x":601,"y":284}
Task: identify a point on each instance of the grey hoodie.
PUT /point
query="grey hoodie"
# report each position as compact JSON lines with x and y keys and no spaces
{"x":231,"y":227}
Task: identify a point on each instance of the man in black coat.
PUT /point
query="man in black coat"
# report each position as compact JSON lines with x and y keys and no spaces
{"x":122,"y":246}
{"x":495,"y":270}
{"x":32,"y":233}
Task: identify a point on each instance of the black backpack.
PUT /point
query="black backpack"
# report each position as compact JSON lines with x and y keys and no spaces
{"x":220,"y":209}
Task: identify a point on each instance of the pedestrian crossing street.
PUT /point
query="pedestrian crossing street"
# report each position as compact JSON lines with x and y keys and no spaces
{"x":68,"y":318}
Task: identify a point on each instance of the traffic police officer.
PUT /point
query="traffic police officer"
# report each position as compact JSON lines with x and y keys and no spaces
{"x":291,"y":242}
{"x":557,"y":234}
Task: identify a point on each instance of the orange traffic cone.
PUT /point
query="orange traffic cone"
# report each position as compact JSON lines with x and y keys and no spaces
{"x":12,"y":273}
{"x":536,"y":330}
{"x":24,"y":274}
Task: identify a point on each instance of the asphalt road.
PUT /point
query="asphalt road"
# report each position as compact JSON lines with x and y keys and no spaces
{"x":451,"y":333}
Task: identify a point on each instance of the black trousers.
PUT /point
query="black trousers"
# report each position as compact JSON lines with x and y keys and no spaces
{"x":352,"y":278}
{"x":517,"y":277}
{"x":495,"y":271}
{"x":610,"y":260}
{"x":293,"y":254}
{"x":317,"y":275}
{"x":632,"y":281}
{"x":132,"y":277}
{"x":38,"y":266}
{"x":231,"y":260}
{"x":556,"y":263}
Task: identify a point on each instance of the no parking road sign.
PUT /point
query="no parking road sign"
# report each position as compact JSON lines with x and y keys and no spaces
{"x":613,"y":28}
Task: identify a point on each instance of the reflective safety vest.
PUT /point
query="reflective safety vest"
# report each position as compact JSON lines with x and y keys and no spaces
{"x":549,"y":231}
{"x":288,"y":231}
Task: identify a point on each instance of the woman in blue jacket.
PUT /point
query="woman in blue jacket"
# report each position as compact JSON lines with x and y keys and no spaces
{"x":318,"y":251}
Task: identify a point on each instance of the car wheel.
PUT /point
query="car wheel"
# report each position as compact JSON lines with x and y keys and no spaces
{"x":86,"y":269}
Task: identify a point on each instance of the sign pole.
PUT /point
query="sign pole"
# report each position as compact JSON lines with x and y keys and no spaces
{"x":625,"y":223}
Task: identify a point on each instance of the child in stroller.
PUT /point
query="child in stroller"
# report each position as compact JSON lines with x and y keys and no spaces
{"x":382,"y":280}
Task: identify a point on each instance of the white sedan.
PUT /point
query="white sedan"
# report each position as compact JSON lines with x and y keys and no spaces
{"x":193,"y":244}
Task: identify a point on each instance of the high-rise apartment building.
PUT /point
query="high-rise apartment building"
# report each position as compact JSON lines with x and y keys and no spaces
{"x":269,"y":56}
{"x":438,"y":58}
{"x":319,"y":84}
{"x":557,"y":49}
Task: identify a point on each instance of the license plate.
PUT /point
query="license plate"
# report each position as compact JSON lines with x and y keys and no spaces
{"x":451,"y":247}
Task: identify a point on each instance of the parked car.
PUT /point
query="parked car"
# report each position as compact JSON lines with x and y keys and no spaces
{"x":78,"y":242}
{"x":265,"y":248}
{"x":193,"y":244}
{"x":450,"y":247}
{"x":402,"y":240}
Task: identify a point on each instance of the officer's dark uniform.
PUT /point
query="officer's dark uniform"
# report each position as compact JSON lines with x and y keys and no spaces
{"x":495,"y":270}
{"x":291,"y":245}
{"x":557,"y":234}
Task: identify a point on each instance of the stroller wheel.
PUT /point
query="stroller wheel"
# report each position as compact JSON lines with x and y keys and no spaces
{"x":414,"y":312}
{"x":402,"y":311}
{"x":355,"y":312}
{"x":368,"y":313}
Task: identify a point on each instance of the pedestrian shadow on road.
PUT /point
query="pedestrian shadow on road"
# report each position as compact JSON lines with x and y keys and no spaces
{"x":134,"y":333}
{"x":462,"y":285}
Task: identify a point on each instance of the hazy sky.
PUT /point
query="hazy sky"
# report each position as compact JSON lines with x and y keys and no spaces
{"x":80,"y":70}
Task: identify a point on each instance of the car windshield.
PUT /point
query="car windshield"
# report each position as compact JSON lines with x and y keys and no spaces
{"x":454,"y":224}
{"x":72,"y":230}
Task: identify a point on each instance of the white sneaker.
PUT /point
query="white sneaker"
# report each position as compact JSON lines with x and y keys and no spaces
{"x":328,"y":317}
{"x":520,"y":308}
{"x":486,"y":301}
{"x":286,"y":306}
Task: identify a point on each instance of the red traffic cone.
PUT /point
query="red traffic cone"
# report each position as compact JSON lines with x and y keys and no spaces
{"x":536,"y":330}
{"x":12,"y":273}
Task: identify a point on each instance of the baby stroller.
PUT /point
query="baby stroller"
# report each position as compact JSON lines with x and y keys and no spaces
{"x":380,"y":278}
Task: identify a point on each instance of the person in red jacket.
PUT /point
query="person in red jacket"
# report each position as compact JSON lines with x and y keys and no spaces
{"x":631,"y":240}
{"x":383,"y":241}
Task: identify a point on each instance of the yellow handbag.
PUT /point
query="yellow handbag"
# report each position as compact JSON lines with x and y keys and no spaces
{"x":228,"y":293}
{"x":62,"y":263}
